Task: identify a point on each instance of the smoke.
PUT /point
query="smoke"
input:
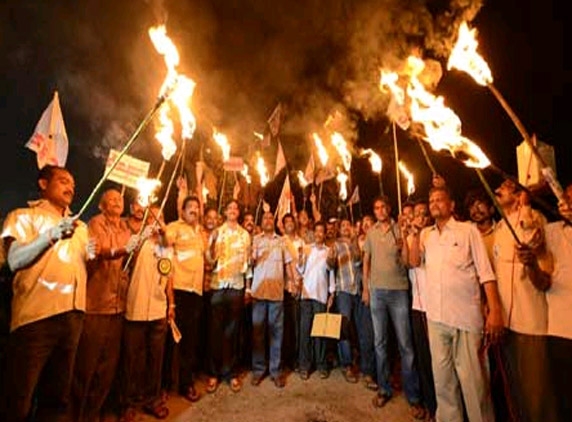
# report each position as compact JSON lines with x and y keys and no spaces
{"x":318,"y":58}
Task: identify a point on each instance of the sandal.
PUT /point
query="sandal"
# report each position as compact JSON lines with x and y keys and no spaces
{"x":212,"y":385}
{"x":191,"y":394}
{"x":370,"y":383}
{"x":235,"y":385}
{"x":417,"y":411}
{"x":158,"y":410}
{"x":350,"y":376}
{"x":380,"y":400}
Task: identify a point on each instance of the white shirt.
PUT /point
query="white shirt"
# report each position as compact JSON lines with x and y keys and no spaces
{"x":317,"y":278}
{"x":456,"y":263}
{"x":147,"y":297}
{"x":524,"y":306}
{"x":559,"y":296}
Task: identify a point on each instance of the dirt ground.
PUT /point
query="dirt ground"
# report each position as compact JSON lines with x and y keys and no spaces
{"x":314,"y":400}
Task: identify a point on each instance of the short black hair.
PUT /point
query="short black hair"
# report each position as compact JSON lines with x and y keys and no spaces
{"x":190,"y":198}
{"x":288,"y":215}
{"x":382,"y":198}
{"x":48,"y":171}
{"x":320,"y":223}
{"x":475,"y":195}
{"x":443,"y":189}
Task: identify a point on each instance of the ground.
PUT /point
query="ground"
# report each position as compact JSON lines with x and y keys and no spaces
{"x":314,"y":400}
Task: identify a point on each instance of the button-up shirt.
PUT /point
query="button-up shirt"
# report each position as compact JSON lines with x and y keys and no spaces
{"x":386,"y":269}
{"x":56,"y":282}
{"x":346,"y":266}
{"x":271,"y":254}
{"x":456,"y":263}
{"x":524,"y":306}
{"x":318,"y":281}
{"x":147,"y":296}
{"x":232,"y":247}
{"x":188,"y":260}
{"x":559,"y":296}
{"x":106,"y":280}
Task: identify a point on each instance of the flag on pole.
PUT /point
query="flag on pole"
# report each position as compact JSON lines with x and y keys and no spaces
{"x":50,"y":140}
{"x":280,"y":160}
{"x":354,"y":199}
{"x":285,"y":201}
{"x":310,"y":172}
{"x":275,"y":120}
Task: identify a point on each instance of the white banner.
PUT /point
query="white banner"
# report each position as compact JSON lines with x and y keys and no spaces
{"x":127,"y":170}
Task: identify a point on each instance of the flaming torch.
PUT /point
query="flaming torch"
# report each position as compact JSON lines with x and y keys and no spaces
{"x":341,"y":146}
{"x":342,"y":179}
{"x":323,"y":156}
{"x":222,"y":141}
{"x":465,"y":57}
{"x":409,"y":177}
{"x":264,"y":178}
{"x":376,"y":165}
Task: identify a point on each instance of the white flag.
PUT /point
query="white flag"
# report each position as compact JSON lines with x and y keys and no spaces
{"x":354,"y":199}
{"x":50,"y":140}
{"x":280,"y":160}
{"x":275,"y":120}
{"x":285,"y":201}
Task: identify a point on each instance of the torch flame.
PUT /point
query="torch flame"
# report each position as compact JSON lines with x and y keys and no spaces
{"x":302,"y":180}
{"x":146,"y":187}
{"x":407,"y":174}
{"x":374,"y":160}
{"x":167,"y":49}
{"x":222,"y":142}
{"x":262,"y":172}
{"x":259,"y":135}
{"x":341,"y":146}
{"x":342,"y":179}
{"x":322,"y":153}
{"x":464,"y":56}
{"x":205,"y":193}
{"x":245,"y":174}
{"x":388,"y":81}
{"x":165,"y":133}
{"x":181,"y":97}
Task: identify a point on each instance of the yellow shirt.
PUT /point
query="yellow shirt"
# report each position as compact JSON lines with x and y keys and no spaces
{"x":188,"y":261}
{"x":56,"y":282}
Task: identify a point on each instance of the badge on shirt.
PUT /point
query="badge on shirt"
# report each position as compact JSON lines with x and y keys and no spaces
{"x":164,"y":266}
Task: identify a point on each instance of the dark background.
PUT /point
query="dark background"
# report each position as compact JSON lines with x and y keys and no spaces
{"x":246,"y":56}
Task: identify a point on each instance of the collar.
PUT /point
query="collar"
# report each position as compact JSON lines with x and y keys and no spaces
{"x":48,"y":206}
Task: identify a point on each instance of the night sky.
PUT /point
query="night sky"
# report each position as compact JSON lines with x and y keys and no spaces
{"x":248,"y":55}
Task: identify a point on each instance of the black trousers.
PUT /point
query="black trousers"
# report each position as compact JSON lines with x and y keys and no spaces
{"x":291,"y":339}
{"x":423,"y":359}
{"x":312,"y":349}
{"x":226,"y":314}
{"x":41,"y":357}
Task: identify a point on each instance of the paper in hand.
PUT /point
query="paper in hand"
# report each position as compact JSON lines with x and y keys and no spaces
{"x":175,"y":331}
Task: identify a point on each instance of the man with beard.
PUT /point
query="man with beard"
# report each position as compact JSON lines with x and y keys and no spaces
{"x":523,"y":274}
{"x":481,"y":211}
{"x":271,"y":260}
{"x":386,"y":291}
{"x":47,"y":250}
{"x":186,"y":238}
{"x":456,"y":266}
{"x":229,"y":251}
{"x":134,"y":220}
{"x":100,"y":342}
{"x":290,"y":343}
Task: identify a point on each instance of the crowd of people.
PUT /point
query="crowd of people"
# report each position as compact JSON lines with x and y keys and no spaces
{"x":120,"y":312}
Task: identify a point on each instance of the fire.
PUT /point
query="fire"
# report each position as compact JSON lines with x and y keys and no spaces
{"x":341,"y":146}
{"x":342,"y":179}
{"x":464,"y":56}
{"x":259,"y":135}
{"x":222,"y":142}
{"x":168,"y":50}
{"x":388,"y":81}
{"x":146,"y":187}
{"x":374,"y":160}
{"x":205,"y":192}
{"x":301,"y":179}
{"x":262,"y":172}
{"x":322,"y":153}
{"x":410,"y":180}
{"x":181,"y":97}
{"x":245,"y":174}
{"x":165,"y":133}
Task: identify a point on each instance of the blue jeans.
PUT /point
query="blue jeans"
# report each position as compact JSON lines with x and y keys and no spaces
{"x":267,"y":316}
{"x":394,"y":304}
{"x":347,"y":305}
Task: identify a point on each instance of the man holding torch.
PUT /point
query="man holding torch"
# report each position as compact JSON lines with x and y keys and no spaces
{"x":47,"y":251}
